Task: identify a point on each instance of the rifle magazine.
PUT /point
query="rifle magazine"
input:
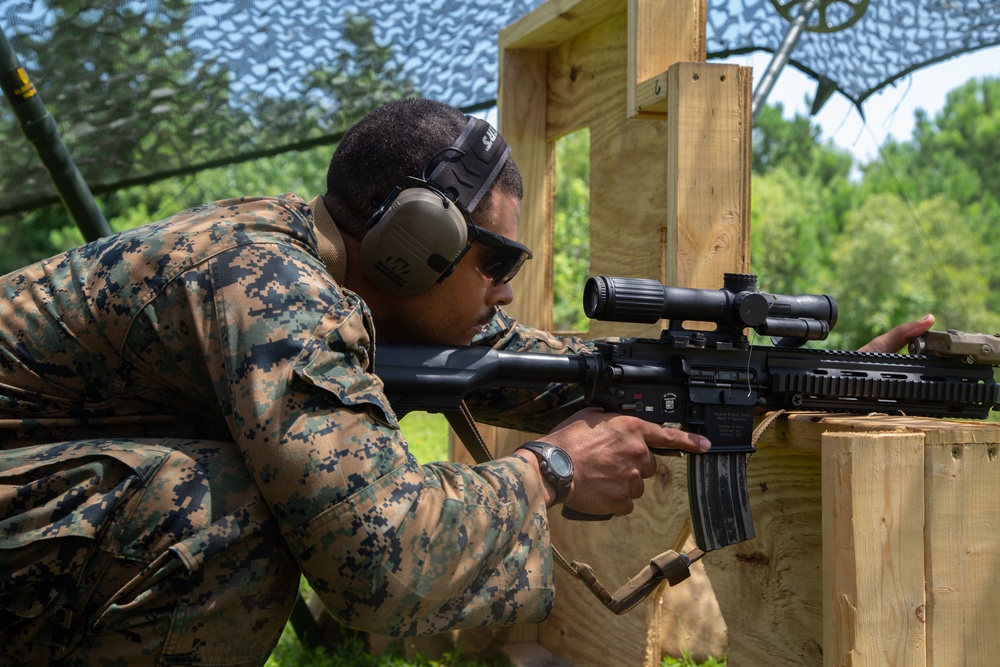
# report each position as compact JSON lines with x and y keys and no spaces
{"x":719,"y":499}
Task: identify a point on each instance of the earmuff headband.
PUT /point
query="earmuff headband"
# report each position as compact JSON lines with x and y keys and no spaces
{"x":468,"y":172}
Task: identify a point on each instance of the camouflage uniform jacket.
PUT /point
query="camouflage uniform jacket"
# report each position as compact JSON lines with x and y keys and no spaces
{"x":224,"y":323}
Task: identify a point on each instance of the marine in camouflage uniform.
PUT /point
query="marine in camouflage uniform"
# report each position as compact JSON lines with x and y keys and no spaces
{"x":189,"y":421}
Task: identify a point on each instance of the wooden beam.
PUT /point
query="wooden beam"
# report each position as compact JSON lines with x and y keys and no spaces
{"x":963,"y":550}
{"x":522,"y":102}
{"x":708,"y":191}
{"x":554,"y":22}
{"x":661,"y":33}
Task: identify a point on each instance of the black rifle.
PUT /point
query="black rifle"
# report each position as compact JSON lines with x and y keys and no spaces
{"x":713,"y":382}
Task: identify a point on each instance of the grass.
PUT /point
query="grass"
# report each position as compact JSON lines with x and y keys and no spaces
{"x":353,"y":653}
{"x":428,"y":439}
{"x":427,"y":436}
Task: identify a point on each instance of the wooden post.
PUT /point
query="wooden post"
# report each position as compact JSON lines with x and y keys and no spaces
{"x":877,"y":538}
{"x":873,"y":553}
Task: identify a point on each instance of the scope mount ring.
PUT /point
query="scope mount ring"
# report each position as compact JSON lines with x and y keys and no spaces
{"x":847,"y":13}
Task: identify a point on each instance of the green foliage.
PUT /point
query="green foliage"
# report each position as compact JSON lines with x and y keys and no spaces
{"x":38,"y":234}
{"x":954,"y":157}
{"x":28,"y":237}
{"x":913,"y":235}
{"x":427,"y":436}
{"x":148,"y":72}
{"x":792,"y":232}
{"x":360,"y":78}
{"x":353,"y":653}
{"x":571,"y":260}
{"x":897,"y":261}
{"x":778,"y":141}
{"x":687,"y":661}
{"x":794,"y":146}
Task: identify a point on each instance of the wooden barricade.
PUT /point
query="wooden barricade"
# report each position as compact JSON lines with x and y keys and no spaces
{"x":876,"y":537}
{"x":877,"y":544}
{"x":670,"y":139}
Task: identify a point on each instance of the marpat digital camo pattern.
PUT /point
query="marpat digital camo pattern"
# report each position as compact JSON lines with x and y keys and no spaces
{"x":187,"y":418}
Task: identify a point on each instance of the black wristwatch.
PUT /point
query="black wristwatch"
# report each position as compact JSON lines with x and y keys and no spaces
{"x":555,"y":464}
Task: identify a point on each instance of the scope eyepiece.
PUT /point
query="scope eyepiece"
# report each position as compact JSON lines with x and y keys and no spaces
{"x":623,"y":299}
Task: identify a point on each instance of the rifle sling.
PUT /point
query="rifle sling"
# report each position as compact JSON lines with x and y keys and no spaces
{"x":465,"y":428}
{"x":670,"y":565}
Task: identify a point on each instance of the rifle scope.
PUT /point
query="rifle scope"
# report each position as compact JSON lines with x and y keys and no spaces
{"x":738,"y":303}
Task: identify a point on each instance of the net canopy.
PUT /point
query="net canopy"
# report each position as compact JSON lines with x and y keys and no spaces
{"x":148,"y":89}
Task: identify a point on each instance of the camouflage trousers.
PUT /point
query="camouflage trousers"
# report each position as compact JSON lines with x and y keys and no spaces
{"x":131,"y":552}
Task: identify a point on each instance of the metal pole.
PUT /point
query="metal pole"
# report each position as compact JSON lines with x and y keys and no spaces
{"x":40,"y":129}
{"x":782,"y":56}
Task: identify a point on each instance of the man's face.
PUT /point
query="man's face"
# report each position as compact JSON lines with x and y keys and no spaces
{"x":456,"y":309}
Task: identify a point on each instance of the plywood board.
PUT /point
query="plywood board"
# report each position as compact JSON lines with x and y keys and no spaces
{"x":770,"y":588}
{"x":522,"y":97}
{"x":709,"y":147}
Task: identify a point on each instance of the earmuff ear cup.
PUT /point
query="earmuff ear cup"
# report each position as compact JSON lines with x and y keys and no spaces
{"x":413,"y":243}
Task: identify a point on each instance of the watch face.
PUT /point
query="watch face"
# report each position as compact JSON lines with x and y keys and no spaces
{"x":560,"y":462}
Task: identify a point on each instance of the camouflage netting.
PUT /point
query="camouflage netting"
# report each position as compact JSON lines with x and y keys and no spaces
{"x":146,"y":89}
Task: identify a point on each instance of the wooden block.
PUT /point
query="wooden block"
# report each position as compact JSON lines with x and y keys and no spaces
{"x":963,"y":552}
{"x":873,"y":549}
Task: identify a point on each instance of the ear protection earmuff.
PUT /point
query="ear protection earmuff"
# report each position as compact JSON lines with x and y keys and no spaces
{"x":419,"y":233}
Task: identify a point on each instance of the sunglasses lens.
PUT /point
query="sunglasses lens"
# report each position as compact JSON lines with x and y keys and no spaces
{"x":505,"y":257}
{"x":502,"y":264}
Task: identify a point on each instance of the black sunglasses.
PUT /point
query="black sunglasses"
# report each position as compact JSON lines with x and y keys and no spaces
{"x":505,"y":257}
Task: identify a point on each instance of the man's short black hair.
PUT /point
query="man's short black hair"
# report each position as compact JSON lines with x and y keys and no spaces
{"x":389,"y":144}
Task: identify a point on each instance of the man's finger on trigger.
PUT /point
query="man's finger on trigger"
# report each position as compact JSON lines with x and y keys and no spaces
{"x":696,"y":442}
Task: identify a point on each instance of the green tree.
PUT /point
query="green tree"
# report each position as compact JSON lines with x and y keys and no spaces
{"x":802,"y":191}
{"x":794,"y":145}
{"x":778,"y":141}
{"x":113,"y":77}
{"x":791,"y":238}
{"x":892,"y":267}
{"x":362,"y":77}
{"x":954,"y":155}
{"x":100,"y":65}
{"x":571,"y":260}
